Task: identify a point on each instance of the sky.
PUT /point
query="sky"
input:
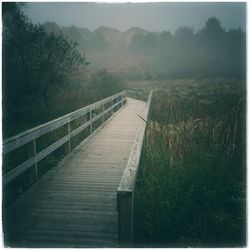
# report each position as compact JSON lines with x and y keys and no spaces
{"x":149,"y":16}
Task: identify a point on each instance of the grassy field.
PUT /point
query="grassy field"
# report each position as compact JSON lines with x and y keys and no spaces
{"x":191,"y":189}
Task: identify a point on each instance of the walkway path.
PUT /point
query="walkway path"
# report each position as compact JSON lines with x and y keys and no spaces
{"x":74,"y":204}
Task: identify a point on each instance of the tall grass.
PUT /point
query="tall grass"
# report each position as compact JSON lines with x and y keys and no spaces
{"x":191,"y":187}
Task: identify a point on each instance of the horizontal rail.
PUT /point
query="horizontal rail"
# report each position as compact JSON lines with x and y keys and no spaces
{"x":125,"y":191}
{"x":136,"y":93}
{"x":134,"y":90}
{"x":127,"y":182}
{"x":33,"y":134}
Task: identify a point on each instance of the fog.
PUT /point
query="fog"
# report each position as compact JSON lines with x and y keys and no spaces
{"x":150,"y":16}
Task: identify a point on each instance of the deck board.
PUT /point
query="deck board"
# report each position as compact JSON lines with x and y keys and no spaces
{"x":74,"y":204}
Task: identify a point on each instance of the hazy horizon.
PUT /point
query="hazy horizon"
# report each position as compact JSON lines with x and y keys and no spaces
{"x":149,"y":16}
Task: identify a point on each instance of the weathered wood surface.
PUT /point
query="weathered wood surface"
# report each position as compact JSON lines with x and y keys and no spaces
{"x":74,"y":204}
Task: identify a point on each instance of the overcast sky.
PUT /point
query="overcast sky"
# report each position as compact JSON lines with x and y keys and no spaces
{"x":150,"y":16}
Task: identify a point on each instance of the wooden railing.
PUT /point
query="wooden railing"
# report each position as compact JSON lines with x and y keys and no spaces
{"x":107,"y":106}
{"x":136,"y":93}
{"x":125,"y":192}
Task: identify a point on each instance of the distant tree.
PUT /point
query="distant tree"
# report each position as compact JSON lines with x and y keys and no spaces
{"x":150,"y":42}
{"x":103,"y":84}
{"x":236,"y":56}
{"x":73,"y":33}
{"x":213,"y":29}
{"x":212,"y":47}
{"x":212,"y":37}
{"x":99,"y":42}
{"x":184,"y":35}
{"x":166,"y":38}
{"x":137,"y":43}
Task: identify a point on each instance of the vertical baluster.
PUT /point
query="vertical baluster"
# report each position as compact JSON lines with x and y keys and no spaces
{"x":112,"y":106}
{"x":103,"y":115}
{"x":89,"y":118}
{"x":69,"y":131}
{"x":34,"y":169}
{"x":125,"y":97}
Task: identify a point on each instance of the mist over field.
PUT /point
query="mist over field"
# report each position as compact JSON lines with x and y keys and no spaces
{"x":140,"y":54}
{"x":143,"y":41}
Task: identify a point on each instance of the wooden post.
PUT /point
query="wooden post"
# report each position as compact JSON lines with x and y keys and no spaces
{"x":125,"y":209}
{"x":32,"y":153}
{"x":103,"y":115}
{"x":118,"y":104}
{"x":89,"y":117}
{"x":35,"y":167}
{"x":69,"y":143}
{"x":112,"y":107}
{"x":125,"y":99}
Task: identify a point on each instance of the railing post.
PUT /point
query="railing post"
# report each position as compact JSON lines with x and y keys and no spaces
{"x":32,"y":153}
{"x":120,"y":100}
{"x":112,"y":106}
{"x":67,"y":146}
{"x":103,"y":115}
{"x":89,"y":118}
{"x":125,"y":98}
{"x":69,"y":136}
{"x":35,"y":167}
{"x":125,"y":207}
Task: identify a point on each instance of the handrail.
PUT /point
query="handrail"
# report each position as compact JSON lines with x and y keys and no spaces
{"x":135,"y":92}
{"x":125,"y":191}
{"x":19,"y":140}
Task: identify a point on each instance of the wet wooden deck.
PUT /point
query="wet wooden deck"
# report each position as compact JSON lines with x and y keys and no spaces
{"x":74,"y":204}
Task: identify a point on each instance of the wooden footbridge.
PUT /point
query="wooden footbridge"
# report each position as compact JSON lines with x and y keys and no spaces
{"x":87,"y":200}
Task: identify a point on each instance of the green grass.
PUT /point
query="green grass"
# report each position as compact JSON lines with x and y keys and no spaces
{"x":191,"y":189}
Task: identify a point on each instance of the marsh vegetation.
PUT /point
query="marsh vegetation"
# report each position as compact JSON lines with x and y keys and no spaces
{"x":191,"y":190}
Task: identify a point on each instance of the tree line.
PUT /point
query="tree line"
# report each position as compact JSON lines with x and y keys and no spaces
{"x":210,"y":52}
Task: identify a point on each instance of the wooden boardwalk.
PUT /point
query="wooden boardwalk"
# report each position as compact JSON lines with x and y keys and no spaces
{"x":74,"y":204}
